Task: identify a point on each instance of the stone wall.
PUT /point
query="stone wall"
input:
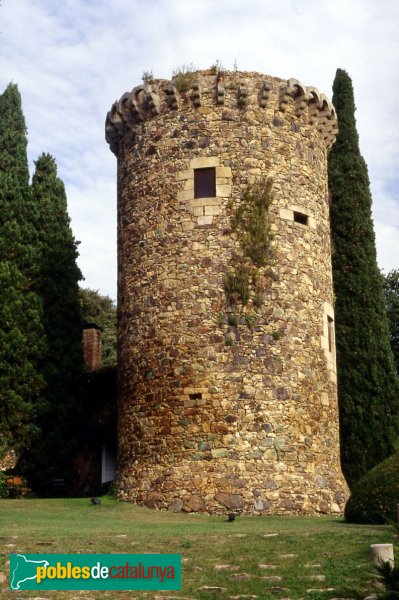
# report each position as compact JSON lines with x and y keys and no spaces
{"x":225,"y":406}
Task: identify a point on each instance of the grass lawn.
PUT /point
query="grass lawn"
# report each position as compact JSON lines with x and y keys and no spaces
{"x":269,"y":557}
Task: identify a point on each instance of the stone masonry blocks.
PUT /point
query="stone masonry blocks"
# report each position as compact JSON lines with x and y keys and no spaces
{"x":225,"y":407}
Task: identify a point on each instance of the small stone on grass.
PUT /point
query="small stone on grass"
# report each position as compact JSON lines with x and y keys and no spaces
{"x":44,"y":543}
{"x":172,"y":598}
{"x":208,"y":589}
{"x":240,"y":576}
{"x":192,"y":568}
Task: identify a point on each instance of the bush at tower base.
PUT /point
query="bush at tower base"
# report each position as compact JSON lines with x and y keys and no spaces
{"x":375,"y":497}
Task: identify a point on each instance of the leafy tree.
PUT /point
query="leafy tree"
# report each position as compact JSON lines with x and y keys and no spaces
{"x":368,"y":391}
{"x":62,"y":366}
{"x":21,"y":335}
{"x":101,"y":310}
{"x":391,"y":291}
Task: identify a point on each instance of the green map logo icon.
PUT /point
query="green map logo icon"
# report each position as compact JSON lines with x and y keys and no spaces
{"x":23,"y":569}
{"x":95,"y":572}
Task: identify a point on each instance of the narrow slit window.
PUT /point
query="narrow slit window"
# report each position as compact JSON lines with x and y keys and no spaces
{"x":301,"y":218}
{"x":330,"y":329}
{"x":205,"y":183}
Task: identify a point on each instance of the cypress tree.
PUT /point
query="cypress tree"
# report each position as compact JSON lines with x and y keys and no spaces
{"x":62,"y":367}
{"x":21,"y":339}
{"x":391,"y":291}
{"x":368,"y":391}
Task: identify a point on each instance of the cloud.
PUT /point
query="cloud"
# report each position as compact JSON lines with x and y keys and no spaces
{"x":73,"y":58}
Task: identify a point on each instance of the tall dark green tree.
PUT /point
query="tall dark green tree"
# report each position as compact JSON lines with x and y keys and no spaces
{"x":62,"y":367}
{"x":21,"y":336}
{"x":368,"y":391}
{"x":391,"y":291}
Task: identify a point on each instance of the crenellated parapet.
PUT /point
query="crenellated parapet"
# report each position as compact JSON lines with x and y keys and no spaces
{"x":234,"y":90}
{"x":320,"y":110}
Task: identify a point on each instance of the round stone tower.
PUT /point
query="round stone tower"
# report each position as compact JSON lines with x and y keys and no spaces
{"x":227,"y":380}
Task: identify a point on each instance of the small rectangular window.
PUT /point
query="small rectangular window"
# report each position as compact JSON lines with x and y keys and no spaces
{"x":301,"y":218}
{"x":195,"y":396}
{"x":205,"y":183}
{"x":330,"y":326}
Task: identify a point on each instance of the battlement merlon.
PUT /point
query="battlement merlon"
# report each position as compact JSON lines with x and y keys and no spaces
{"x":232,"y":90}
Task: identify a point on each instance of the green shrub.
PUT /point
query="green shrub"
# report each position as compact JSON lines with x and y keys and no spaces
{"x":252,"y":222}
{"x":258,"y":298}
{"x":221,"y":320}
{"x":375,"y":496}
{"x":229,"y":340}
{"x":232,"y":320}
{"x":388,"y":576}
{"x":250,"y":320}
{"x":147,"y":76}
{"x":217,"y":68}
{"x":236,"y":286}
{"x":184,"y":77}
{"x":3,"y":486}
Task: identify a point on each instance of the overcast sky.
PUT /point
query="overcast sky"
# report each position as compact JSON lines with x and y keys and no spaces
{"x":72,"y":58}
